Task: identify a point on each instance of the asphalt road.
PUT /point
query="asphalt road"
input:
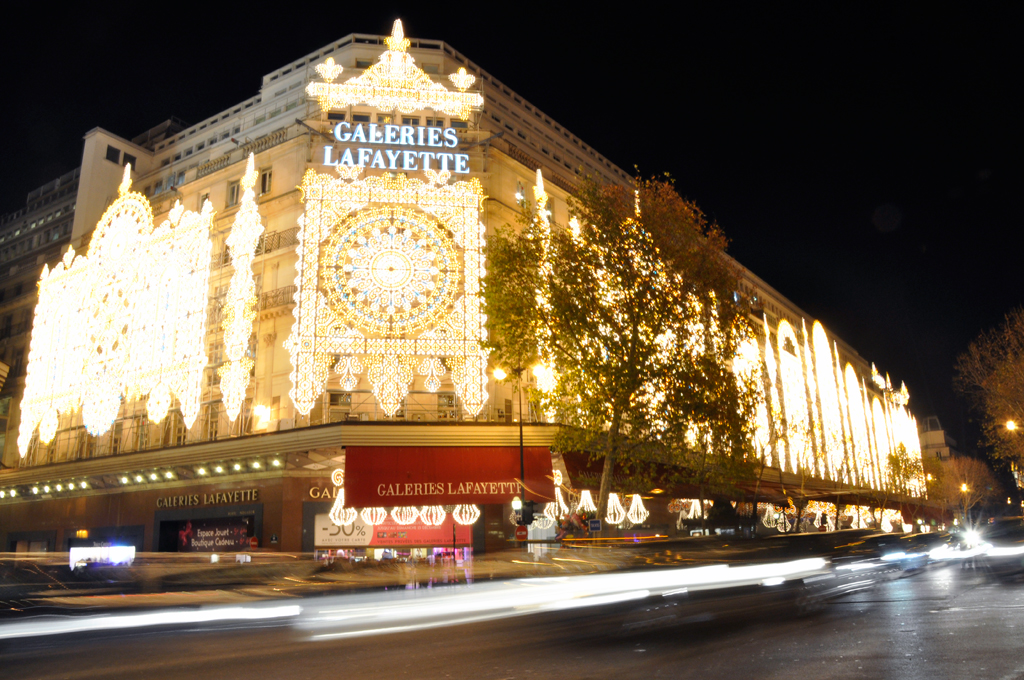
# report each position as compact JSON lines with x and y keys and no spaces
{"x":944,"y":622}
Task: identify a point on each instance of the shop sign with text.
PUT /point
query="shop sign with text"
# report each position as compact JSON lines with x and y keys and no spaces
{"x":215,"y":498}
{"x":449,"y":475}
{"x":361,"y":535}
{"x":398,"y":148}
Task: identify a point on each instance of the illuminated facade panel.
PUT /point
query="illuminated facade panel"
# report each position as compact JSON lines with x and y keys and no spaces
{"x":124,"y":321}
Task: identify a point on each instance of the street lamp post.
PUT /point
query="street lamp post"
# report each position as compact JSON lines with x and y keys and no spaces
{"x":501,"y":375}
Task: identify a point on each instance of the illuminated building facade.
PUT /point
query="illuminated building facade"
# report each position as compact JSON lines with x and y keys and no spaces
{"x":291,"y":287}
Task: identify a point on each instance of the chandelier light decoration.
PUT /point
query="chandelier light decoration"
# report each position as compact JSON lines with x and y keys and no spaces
{"x":637,"y":514}
{"x":405,"y":514}
{"x":616,"y":513}
{"x":373,"y":516}
{"x":240,"y":306}
{"x":466,"y":514}
{"x":586,"y":503}
{"x":395,"y":82}
{"x":433,"y":515}
{"x":126,"y":320}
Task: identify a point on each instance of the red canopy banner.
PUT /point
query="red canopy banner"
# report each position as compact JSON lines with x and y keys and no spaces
{"x":443,"y":475}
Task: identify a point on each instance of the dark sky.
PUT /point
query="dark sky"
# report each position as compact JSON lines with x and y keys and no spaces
{"x":864,"y":160}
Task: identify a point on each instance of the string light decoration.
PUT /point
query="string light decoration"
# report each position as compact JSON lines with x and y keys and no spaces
{"x":466,"y":514}
{"x":637,"y":512}
{"x":433,"y":515}
{"x":240,"y":305}
{"x":127,"y":319}
{"x":551,"y":511}
{"x":389,"y":275}
{"x":395,"y":82}
{"x":373,"y":516}
{"x":405,"y":514}
{"x":616,"y":513}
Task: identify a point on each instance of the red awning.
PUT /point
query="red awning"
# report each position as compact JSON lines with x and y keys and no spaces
{"x":436,"y":475}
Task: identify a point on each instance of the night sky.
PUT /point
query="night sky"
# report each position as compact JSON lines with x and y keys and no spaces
{"x":864,"y":161}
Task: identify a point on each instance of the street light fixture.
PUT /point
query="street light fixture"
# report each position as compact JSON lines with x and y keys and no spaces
{"x":1011,"y":425}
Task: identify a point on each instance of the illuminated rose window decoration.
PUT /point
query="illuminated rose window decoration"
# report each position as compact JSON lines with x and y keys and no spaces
{"x":391,"y":270}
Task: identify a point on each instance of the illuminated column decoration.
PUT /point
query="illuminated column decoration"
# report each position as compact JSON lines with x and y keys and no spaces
{"x":815,"y":458}
{"x":240,"y":306}
{"x":846,"y":437}
{"x":858,"y":429}
{"x":882,"y":450}
{"x":389,"y":270}
{"x":125,"y":320}
{"x":870,"y":429}
{"x":828,"y":398}
{"x":395,"y":82}
{"x":774,"y":457}
{"x":746,"y":365}
{"x":794,"y":398}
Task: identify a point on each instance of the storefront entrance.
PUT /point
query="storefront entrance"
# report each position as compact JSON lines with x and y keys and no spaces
{"x":210,"y":530}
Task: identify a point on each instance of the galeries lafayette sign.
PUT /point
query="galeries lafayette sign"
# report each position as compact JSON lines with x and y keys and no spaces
{"x":430,"y":475}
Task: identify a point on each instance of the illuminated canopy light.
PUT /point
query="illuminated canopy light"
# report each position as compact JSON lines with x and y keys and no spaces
{"x":126,"y":320}
{"x":395,"y":82}
{"x":240,"y":306}
{"x":389,"y":270}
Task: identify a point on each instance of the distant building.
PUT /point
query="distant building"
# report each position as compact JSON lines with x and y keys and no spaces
{"x":935,"y":443}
